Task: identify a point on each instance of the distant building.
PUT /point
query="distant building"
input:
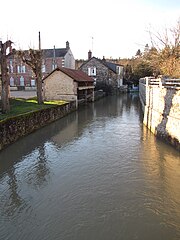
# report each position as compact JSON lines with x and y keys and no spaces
{"x":68,"y":84}
{"x":107,"y":76}
{"x":21,"y":75}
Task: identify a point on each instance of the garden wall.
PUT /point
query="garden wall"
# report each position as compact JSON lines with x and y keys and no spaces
{"x":16,"y":127}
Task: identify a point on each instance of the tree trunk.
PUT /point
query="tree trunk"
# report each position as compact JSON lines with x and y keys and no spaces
{"x":5,"y":86}
{"x":39,"y":88}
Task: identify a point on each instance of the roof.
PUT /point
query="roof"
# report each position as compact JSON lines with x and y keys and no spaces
{"x":59,"y":52}
{"x":110,"y":65}
{"x":77,"y":75}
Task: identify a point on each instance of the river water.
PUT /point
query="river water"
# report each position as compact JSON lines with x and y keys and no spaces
{"x":96,"y":174}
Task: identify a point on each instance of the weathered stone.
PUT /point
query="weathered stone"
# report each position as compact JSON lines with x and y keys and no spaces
{"x":162,"y":111}
{"x":16,"y":127}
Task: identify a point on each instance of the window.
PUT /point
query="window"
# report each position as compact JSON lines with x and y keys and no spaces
{"x":92,"y":71}
{"x":18,"y":69}
{"x":11,"y":66}
{"x":21,"y":69}
{"x":33,"y":83}
{"x":94,"y":81}
{"x":119,"y":70}
{"x":43,"y":68}
{"x":12,"y":81}
{"x":54,"y":66}
{"x":21,"y":81}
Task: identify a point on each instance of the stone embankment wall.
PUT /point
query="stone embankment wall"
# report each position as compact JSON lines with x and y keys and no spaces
{"x":16,"y":127}
{"x":161,"y":105}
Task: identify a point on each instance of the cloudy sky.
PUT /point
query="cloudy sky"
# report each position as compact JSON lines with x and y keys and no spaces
{"x":110,"y":28}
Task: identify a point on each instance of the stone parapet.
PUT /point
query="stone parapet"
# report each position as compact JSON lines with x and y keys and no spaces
{"x":161,"y":107}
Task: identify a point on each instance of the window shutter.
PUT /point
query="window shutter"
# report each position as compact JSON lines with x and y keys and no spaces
{"x":94,"y":71}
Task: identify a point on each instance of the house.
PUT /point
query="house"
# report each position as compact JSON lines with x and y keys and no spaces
{"x":68,"y":84}
{"x":21,"y":75}
{"x":108,"y":76}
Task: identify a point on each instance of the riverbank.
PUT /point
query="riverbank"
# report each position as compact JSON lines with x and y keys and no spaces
{"x":19,"y":106}
{"x":15,"y":127}
{"x":25,"y":117}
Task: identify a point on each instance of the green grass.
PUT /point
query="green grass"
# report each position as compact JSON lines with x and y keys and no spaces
{"x":19,"y":106}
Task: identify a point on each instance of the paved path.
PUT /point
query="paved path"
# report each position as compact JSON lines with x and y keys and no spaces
{"x":23,"y":94}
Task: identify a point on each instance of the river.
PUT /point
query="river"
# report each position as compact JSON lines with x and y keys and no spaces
{"x":96,"y":174}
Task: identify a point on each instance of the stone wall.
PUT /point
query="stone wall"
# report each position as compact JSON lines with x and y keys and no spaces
{"x":161,"y":107}
{"x":59,"y":86}
{"x":104,"y":76}
{"x":16,"y":127}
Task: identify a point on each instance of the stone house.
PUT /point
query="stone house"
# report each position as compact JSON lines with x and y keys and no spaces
{"x":68,"y":84}
{"x":107,"y":76}
{"x":21,"y":75}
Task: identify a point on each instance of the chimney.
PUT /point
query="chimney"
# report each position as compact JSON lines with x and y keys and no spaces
{"x":104,"y":60}
{"x":67,"y":45}
{"x":89,"y":54}
{"x":54,"y":52}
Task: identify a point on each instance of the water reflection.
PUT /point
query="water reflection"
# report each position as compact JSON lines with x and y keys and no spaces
{"x":40,"y":170}
{"x":12,"y":199}
{"x":162,"y":179}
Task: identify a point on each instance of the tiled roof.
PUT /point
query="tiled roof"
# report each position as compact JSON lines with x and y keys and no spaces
{"x":77,"y":75}
{"x":59,"y":52}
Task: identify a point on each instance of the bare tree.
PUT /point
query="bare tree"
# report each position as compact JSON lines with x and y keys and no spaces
{"x":167,"y":54}
{"x":4,"y":54}
{"x":33,"y":58}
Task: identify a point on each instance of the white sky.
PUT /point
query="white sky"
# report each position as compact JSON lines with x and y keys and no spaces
{"x":118,"y":27}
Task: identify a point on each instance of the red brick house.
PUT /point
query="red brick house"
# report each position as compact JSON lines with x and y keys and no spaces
{"x":21,"y":75}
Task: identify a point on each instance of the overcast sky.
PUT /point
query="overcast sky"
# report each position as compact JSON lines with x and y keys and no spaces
{"x":110,"y":28}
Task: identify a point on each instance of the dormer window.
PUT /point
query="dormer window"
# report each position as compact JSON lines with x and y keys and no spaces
{"x":92,"y":71}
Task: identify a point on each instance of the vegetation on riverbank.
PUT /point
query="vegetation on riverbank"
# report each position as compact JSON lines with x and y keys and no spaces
{"x":21,"y":106}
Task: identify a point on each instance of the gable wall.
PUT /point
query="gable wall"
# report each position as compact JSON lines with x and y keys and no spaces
{"x":69,"y":61}
{"x":103,"y":73}
{"x":48,"y":63}
{"x":59,"y":86}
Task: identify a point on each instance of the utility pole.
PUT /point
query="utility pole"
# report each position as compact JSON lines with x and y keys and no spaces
{"x":39,"y":41}
{"x":39,"y":74}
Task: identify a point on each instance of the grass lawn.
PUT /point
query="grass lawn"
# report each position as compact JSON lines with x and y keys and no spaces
{"x":20,"y":106}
